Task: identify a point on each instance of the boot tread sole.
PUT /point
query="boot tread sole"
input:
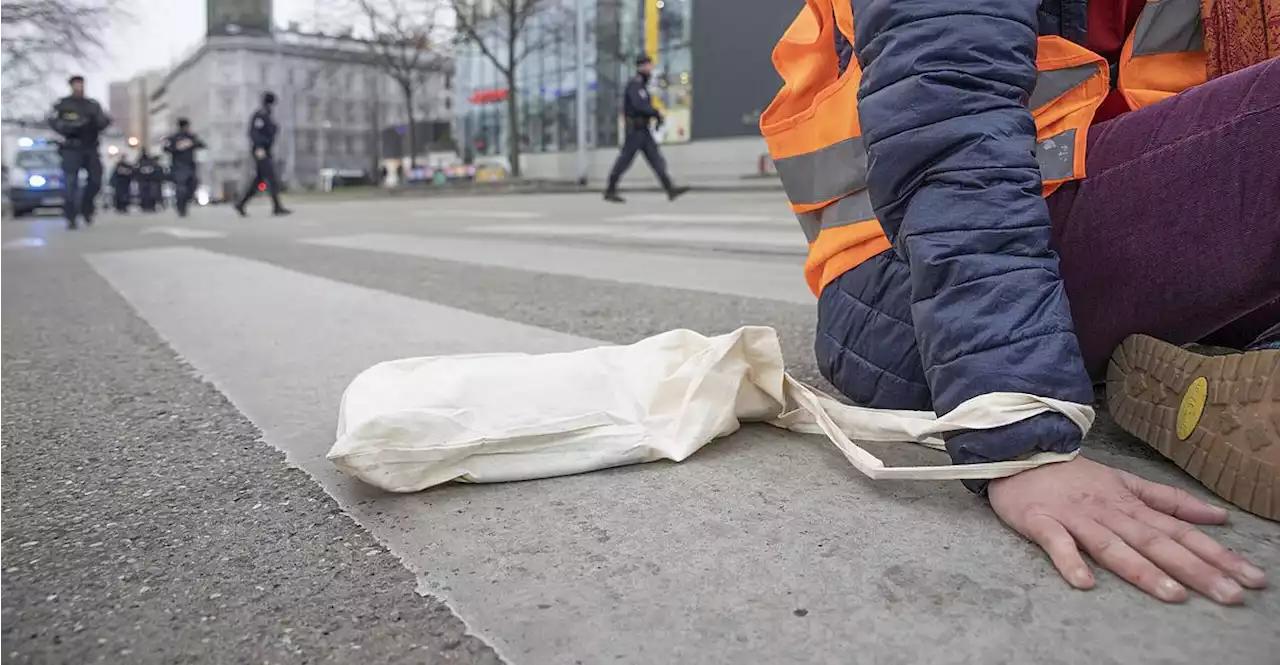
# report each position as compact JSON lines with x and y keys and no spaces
{"x":1234,"y":446}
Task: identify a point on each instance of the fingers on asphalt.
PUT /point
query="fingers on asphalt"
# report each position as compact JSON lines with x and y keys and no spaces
{"x":1111,"y":551}
{"x":1208,"y":549}
{"x":1175,"y":502}
{"x":1055,"y":540}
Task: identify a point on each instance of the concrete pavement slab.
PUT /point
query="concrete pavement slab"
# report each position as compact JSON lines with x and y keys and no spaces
{"x":766,"y":547}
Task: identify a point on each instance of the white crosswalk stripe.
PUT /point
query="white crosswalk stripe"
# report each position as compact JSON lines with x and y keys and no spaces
{"x":24,"y":243}
{"x":438,"y":213}
{"x":183,"y":233}
{"x":765,"y":279}
{"x":783,"y":239}
{"x":707,"y":218}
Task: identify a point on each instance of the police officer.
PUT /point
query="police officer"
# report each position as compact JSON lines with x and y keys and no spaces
{"x":639,"y":113}
{"x":262,"y":135}
{"x":149,"y":175}
{"x":182,"y":148}
{"x":79,"y":120}
{"x":122,"y":183}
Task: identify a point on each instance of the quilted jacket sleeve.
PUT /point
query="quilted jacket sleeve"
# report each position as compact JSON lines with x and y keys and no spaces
{"x":954,"y":181}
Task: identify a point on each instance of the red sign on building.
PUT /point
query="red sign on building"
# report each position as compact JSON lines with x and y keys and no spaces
{"x":489,"y":96}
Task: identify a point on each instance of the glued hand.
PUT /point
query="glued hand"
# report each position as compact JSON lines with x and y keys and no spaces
{"x":1137,"y":529}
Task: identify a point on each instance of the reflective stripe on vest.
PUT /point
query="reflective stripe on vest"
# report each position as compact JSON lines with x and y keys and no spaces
{"x":1164,"y":54}
{"x":816,"y":143}
{"x":826,"y":174}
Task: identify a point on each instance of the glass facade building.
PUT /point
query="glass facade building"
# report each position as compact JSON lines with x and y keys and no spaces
{"x":546,"y":79}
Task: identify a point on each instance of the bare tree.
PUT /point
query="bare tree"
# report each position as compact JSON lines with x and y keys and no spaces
{"x":506,"y":33}
{"x":39,"y":36}
{"x":409,"y":41}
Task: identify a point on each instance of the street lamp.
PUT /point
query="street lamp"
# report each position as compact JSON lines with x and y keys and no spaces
{"x":133,"y":142}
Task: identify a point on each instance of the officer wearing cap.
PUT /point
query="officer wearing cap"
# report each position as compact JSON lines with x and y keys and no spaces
{"x":639,"y":113}
{"x":79,"y":120}
{"x":262,"y":136}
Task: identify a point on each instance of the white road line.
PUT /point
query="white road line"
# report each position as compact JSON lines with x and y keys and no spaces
{"x":762,"y":548}
{"x":752,"y":277}
{"x":693,"y":218}
{"x":789,"y":238}
{"x":478,"y":214}
{"x":25,"y":243}
{"x":184,"y":233}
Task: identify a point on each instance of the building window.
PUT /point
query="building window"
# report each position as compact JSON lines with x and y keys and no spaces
{"x":264,"y":72}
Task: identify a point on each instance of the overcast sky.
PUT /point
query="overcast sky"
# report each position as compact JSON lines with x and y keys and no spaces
{"x":155,"y":33}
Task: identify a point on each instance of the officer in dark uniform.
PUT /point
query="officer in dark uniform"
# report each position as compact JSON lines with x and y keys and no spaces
{"x":122,"y":184}
{"x":79,"y":120}
{"x":262,"y":135}
{"x":149,"y":175}
{"x":639,"y":112}
{"x":182,"y":149}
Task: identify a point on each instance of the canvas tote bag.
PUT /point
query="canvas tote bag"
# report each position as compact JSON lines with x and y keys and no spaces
{"x":409,"y":424}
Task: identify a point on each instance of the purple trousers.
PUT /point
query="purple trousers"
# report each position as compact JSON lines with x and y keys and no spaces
{"x":1175,"y":229}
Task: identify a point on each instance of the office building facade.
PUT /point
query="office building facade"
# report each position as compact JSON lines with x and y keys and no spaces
{"x":713,"y":78}
{"x":337,"y":109}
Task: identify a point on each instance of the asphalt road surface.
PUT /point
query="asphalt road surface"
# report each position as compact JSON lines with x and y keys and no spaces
{"x":170,"y":389}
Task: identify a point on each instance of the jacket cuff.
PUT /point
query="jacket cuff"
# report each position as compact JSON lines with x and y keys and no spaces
{"x":1047,"y":432}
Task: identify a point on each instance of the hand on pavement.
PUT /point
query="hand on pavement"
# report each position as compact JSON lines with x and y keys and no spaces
{"x":1137,"y":529}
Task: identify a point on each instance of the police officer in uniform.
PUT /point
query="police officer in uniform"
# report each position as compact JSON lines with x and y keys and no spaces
{"x":122,"y":183}
{"x":182,"y":148}
{"x":639,"y":113}
{"x":262,"y":135}
{"x":149,"y":175}
{"x":79,"y":120}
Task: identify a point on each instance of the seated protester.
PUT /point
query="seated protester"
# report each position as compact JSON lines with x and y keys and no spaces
{"x":997,"y":198}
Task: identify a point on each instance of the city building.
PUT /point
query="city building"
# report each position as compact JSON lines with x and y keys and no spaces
{"x":337,"y":109}
{"x":713,"y":78}
{"x":129,"y":104}
{"x":118,"y":104}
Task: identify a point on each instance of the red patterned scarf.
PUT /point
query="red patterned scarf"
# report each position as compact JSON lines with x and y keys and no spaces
{"x":1239,"y":33}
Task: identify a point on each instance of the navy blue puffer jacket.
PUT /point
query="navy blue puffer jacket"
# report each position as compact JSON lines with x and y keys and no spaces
{"x":969,"y":300}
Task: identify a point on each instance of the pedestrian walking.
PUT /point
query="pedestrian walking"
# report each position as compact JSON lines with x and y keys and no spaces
{"x":182,"y":148}
{"x":79,"y":120}
{"x":262,"y":136}
{"x":639,"y":112}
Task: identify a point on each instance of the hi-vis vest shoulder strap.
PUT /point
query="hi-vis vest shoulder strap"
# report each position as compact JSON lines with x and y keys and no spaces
{"x":1164,"y":54}
{"x":815,"y":139}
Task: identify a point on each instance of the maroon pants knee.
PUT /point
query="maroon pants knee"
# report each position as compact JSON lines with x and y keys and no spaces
{"x":1175,"y":229}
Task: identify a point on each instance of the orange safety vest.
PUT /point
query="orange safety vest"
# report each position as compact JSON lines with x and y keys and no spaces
{"x":815,"y":140}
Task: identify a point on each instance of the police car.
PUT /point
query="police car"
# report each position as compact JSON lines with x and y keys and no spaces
{"x":35,"y":179}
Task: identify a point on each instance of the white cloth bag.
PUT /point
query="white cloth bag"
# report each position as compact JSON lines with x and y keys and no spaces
{"x":409,"y":424}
